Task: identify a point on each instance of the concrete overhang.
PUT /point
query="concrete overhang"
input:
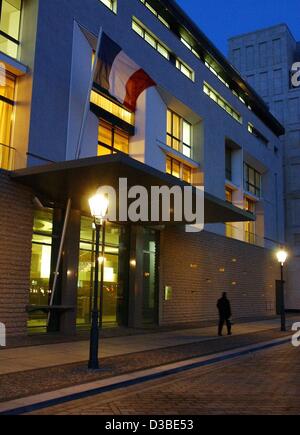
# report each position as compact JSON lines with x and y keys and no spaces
{"x":79,"y":180}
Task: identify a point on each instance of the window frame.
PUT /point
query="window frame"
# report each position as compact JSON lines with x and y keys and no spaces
{"x":6,"y":35}
{"x":112,"y":148}
{"x":182,"y":167}
{"x":252,"y":188}
{"x":180,"y":139}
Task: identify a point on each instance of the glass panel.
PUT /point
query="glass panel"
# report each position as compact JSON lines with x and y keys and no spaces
{"x":10,"y":17}
{"x":150,"y":40}
{"x":40,"y":271}
{"x":169,"y":122}
{"x":187,"y":174}
{"x":176,"y":126}
{"x":105,"y":133}
{"x":187,"y":131}
{"x":176,"y":169}
{"x":169,"y":166}
{"x":111,"y":107}
{"x":121,"y":142}
{"x":103,"y":151}
{"x":186,"y":151}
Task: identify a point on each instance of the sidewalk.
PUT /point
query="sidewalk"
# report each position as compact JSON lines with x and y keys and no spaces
{"x":38,"y":357}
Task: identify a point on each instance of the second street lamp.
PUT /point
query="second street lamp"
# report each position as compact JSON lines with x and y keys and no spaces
{"x":282,"y":256}
{"x":99,"y":207}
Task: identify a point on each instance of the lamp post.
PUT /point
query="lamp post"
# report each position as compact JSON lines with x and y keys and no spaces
{"x":282,"y":256}
{"x":99,"y":207}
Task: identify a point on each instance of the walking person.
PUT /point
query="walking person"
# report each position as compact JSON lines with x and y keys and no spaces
{"x":225,"y":314}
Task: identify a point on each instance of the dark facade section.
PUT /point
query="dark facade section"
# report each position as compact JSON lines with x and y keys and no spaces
{"x":16,"y":220}
{"x":197,"y":268}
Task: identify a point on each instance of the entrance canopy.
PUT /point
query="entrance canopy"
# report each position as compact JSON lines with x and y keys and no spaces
{"x":80,"y":179}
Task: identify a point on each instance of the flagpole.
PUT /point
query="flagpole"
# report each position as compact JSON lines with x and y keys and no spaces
{"x":87,"y":102}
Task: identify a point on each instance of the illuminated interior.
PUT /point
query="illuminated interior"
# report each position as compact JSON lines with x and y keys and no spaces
{"x":7,"y":92}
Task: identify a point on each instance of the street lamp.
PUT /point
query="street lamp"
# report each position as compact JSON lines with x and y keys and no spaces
{"x":99,"y":207}
{"x":282,"y":256}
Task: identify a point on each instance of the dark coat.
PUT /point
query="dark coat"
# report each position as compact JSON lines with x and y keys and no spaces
{"x":224,"y":308}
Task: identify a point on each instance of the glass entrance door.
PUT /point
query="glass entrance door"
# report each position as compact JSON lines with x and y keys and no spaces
{"x":115,"y":276}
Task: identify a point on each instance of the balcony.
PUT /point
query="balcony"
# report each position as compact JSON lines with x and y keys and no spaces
{"x":7,"y":157}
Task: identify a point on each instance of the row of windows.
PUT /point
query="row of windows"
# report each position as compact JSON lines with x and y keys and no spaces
{"x":154,"y":12}
{"x":192,"y":48}
{"x":10,"y":18}
{"x":213,"y":94}
{"x":152,"y":40}
{"x":179,"y":170}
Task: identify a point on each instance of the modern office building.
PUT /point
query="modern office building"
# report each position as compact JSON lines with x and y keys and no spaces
{"x":265,"y":60}
{"x":200,"y":125}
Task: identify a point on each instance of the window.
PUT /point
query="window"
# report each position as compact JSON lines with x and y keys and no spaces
{"x":40,"y":271}
{"x":111,"y":139}
{"x":179,"y":170}
{"x":190,"y":47}
{"x":154,"y":12}
{"x":151,"y":39}
{"x":111,"y":4}
{"x":10,"y":18}
{"x":228,"y":163}
{"x":257,"y":134}
{"x":7,"y":93}
{"x":161,"y":48}
{"x":250,"y":230}
{"x":111,"y":107}
{"x":179,"y":134}
{"x":208,"y":90}
{"x":186,"y":70}
{"x":214,"y":71}
{"x":252,"y":180}
{"x":229,"y":195}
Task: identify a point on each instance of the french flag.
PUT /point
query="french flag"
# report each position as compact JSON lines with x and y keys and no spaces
{"x":119,"y":75}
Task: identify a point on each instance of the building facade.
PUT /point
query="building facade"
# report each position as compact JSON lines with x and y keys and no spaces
{"x":265,"y":58}
{"x":201,"y":125}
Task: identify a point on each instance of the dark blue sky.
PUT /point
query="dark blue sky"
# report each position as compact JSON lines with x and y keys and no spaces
{"x":221,"y":19}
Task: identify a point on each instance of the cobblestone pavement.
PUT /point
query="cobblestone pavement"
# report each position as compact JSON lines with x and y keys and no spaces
{"x":30,"y":382}
{"x":265,"y":383}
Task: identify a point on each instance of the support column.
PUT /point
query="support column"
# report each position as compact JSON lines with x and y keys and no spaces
{"x":69,"y":283}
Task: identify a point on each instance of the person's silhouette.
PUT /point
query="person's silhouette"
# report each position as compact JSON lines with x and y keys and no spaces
{"x":225,"y":314}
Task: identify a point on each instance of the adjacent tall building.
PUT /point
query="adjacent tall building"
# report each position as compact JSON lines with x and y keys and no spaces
{"x":201,"y":125}
{"x":265,"y":60}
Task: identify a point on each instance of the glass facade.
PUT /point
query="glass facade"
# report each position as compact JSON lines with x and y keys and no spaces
{"x":112,"y":108}
{"x":111,"y":139}
{"x":40,"y":271}
{"x":10,"y":19}
{"x":115,"y":275}
{"x":7,"y":95}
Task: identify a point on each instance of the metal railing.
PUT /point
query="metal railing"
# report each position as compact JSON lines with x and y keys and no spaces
{"x":7,"y":157}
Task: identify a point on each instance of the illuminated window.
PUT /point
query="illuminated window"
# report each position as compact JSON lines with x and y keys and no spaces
{"x":10,"y":18}
{"x":111,"y":107}
{"x":229,"y":195}
{"x":252,"y":130}
{"x":154,"y":12}
{"x":252,"y":180}
{"x":190,"y":47}
{"x":7,"y":91}
{"x":208,"y":90}
{"x":111,"y":4}
{"x":229,"y":226}
{"x":111,"y":139}
{"x":179,"y":134}
{"x":179,"y":170}
{"x":186,"y":70}
{"x":150,"y":39}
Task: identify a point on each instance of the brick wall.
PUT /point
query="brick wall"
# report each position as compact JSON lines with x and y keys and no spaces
{"x":16,"y":220}
{"x":199,"y":267}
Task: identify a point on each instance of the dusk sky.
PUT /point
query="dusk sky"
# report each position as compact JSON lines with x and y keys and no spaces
{"x":220,"y":20}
